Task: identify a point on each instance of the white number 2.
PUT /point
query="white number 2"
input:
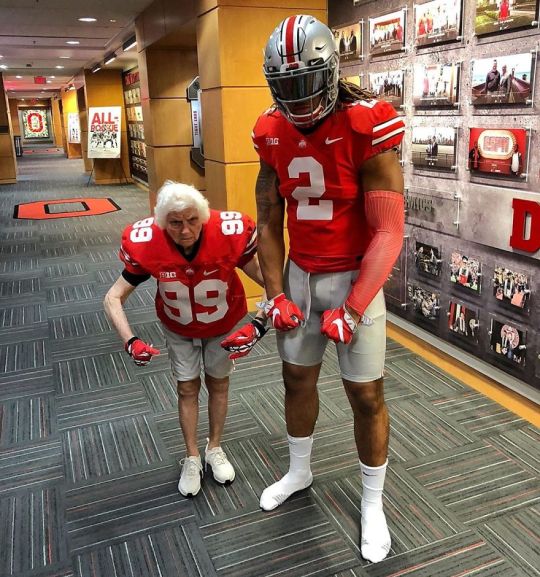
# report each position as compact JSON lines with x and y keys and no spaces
{"x":320,"y":210}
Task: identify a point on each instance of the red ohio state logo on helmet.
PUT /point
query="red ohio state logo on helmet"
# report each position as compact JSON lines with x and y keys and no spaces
{"x":44,"y":209}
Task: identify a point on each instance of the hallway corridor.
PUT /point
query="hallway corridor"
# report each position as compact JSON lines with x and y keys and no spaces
{"x":90,"y":443}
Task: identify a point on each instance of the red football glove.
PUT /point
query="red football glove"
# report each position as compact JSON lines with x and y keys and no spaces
{"x":283,"y":313}
{"x":139,"y":351}
{"x":338,"y":325}
{"x":240,"y":343}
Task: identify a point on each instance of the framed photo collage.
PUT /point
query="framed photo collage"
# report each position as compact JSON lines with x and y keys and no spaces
{"x":467,"y":90}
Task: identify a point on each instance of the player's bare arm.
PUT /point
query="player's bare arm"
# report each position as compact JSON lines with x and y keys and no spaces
{"x":270,"y":214}
{"x":253,"y":270}
{"x":114,"y":309}
{"x":382,"y":172}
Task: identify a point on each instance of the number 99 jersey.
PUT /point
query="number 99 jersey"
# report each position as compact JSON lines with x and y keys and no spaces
{"x":319,"y":176}
{"x":199,"y":298}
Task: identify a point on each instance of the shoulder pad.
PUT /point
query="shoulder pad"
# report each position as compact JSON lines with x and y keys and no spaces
{"x":365,"y":115}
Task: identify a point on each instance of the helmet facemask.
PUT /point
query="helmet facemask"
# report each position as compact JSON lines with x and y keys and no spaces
{"x":305,"y":94}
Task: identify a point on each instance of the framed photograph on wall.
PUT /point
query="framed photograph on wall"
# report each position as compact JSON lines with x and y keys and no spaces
{"x":387,"y":33}
{"x":508,"y":341}
{"x":463,"y":321}
{"x":502,"y":80}
{"x":35,"y":123}
{"x":437,"y":21}
{"x":427,"y":259}
{"x":387,"y":85}
{"x":350,"y":41}
{"x":511,"y":287}
{"x":493,"y":16}
{"x":426,"y":303}
{"x":434,"y":147}
{"x":465,"y":271}
{"x":435,"y":85}
{"x":499,"y":152}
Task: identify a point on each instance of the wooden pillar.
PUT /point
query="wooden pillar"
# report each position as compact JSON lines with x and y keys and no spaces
{"x":8,"y":163}
{"x":58,"y":128}
{"x":165,"y":74}
{"x":14,"y":113}
{"x":231,"y":36}
{"x":70,"y":106}
{"x":104,"y":88}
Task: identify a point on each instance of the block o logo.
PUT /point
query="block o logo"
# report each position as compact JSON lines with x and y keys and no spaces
{"x":48,"y":209}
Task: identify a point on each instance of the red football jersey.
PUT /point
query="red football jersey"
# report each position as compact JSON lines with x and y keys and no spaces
{"x":204,"y":297}
{"x":318,"y":175}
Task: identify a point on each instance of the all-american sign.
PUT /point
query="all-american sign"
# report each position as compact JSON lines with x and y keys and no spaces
{"x":104,"y":136}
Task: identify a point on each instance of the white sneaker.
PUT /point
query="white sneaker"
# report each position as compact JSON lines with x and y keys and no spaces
{"x":190,"y":478}
{"x":222,"y":470}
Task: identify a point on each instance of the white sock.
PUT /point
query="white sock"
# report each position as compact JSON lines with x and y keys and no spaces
{"x":375,"y":543}
{"x":299,"y":476}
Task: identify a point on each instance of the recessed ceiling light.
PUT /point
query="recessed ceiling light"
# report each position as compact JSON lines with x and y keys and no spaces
{"x":49,"y":81}
{"x":109,"y":58}
{"x":18,"y":76}
{"x":52,"y":76}
{"x":112,"y":20}
{"x":87,"y":19}
{"x":3,"y":66}
{"x":65,"y":57}
{"x":59,"y":66}
{"x":73,"y":42}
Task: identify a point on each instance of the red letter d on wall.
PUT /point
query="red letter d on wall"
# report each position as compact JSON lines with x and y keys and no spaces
{"x":525,"y":210}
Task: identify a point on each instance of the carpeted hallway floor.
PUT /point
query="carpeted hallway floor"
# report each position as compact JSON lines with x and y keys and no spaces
{"x":90,"y":443}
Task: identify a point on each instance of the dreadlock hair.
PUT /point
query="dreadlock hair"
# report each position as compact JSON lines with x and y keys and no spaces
{"x":349,"y":92}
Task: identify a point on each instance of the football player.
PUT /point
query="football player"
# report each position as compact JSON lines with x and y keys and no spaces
{"x":328,"y":158}
{"x":192,"y":252}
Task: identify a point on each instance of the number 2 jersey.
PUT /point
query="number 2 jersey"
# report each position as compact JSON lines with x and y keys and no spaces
{"x":319,"y":177}
{"x":199,"y":298}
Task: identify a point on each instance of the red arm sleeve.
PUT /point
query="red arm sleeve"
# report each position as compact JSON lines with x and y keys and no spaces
{"x":385,"y":215}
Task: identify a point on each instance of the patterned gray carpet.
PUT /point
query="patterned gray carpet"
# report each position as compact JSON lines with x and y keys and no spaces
{"x":89,"y":442}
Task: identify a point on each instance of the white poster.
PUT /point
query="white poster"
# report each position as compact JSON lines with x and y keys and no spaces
{"x":104,"y":132}
{"x":74,"y":128}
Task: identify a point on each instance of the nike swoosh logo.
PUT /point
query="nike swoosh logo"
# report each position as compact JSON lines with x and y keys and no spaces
{"x":332,"y":140}
{"x":209,"y":272}
{"x":339,"y":325}
{"x":275,"y":313}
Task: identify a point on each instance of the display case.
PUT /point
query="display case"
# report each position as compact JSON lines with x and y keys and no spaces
{"x":135,"y":125}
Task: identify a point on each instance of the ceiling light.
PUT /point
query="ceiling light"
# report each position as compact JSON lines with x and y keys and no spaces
{"x":52,"y":76}
{"x":73,"y":42}
{"x":49,"y":81}
{"x":129,"y":43}
{"x":59,"y":66}
{"x":87,"y":19}
{"x":3,"y":66}
{"x":96,"y":68}
{"x":18,"y":76}
{"x":109,"y":58}
{"x":113,"y":20}
{"x":65,"y":57}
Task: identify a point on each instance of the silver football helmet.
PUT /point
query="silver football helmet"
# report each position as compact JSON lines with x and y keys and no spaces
{"x":301,"y":68}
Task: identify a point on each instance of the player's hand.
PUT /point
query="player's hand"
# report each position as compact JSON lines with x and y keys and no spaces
{"x":283,"y":313}
{"x":139,"y":351}
{"x":240,"y":343}
{"x":338,"y":325}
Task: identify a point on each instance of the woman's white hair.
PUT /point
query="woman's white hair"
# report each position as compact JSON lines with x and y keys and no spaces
{"x":176,"y":197}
